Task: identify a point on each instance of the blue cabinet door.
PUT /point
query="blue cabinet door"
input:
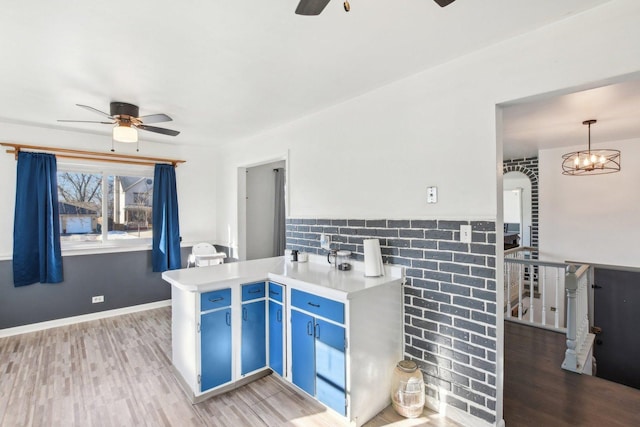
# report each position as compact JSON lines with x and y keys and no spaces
{"x":276,"y":292}
{"x":317,"y":305}
{"x":275,"y":337}
{"x":215,"y":348}
{"x":303,"y":369}
{"x":253,"y":291}
{"x":330,"y":365}
{"x":254,"y":349}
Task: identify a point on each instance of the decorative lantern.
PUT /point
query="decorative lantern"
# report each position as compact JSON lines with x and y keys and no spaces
{"x":407,"y":389}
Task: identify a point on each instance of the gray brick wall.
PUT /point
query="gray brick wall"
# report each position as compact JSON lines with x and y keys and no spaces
{"x":529,"y":167}
{"x":449,"y":298}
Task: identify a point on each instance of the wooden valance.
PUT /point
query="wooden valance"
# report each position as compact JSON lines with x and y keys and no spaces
{"x":67,"y":153}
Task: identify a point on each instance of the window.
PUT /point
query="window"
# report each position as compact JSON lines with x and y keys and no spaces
{"x":99,"y":205}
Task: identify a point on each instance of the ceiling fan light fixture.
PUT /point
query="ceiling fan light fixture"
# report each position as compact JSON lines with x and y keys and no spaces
{"x":591,"y":162}
{"x":125,"y":133}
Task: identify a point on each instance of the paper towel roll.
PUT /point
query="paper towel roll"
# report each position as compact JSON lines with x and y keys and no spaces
{"x":373,"y":266}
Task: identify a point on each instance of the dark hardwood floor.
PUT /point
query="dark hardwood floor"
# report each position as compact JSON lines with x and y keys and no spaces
{"x":537,"y":392}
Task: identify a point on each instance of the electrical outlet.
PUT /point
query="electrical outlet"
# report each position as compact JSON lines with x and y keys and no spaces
{"x":465,"y":233}
{"x":96,"y":299}
{"x":325,"y":241}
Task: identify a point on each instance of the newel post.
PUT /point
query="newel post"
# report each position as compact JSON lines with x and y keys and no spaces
{"x":571,"y":285}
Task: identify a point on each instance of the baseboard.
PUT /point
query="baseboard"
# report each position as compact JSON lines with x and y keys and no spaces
{"x":237,"y":384}
{"x":33,"y":327}
{"x":459,"y":416}
{"x":465,"y":418}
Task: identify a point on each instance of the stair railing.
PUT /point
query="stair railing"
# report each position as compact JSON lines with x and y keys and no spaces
{"x":534,"y":289}
{"x":579,"y":338}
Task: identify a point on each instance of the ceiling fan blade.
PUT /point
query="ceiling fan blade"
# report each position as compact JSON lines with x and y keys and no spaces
{"x":443,"y":3}
{"x":158,"y":130}
{"x":87,"y":121}
{"x":95,"y":110}
{"x":311,"y":7}
{"x":155,"y":118}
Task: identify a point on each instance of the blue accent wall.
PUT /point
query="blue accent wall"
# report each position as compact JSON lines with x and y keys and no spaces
{"x":124,"y":278}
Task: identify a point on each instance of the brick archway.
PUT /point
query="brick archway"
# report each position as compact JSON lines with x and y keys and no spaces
{"x":529,"y":167}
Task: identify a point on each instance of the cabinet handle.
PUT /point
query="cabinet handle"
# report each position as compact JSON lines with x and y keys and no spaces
{"x":316,"y":330}
{"x":216,"y":299}
{"x":273,"y":292}
{"x":244,"y":313}
{"x":309,"y":328}
{"x":255,"y":291}
{"x":198,"y":327}
{"x":314,"y":305}
{"x":228,"y":318}
{"x":279,"y":315}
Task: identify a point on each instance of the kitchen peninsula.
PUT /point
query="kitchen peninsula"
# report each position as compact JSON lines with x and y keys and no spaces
{"x":336,"y":335}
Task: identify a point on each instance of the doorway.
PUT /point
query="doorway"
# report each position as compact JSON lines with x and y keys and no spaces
{"x":261,"y":203}
{"x":517,"y":206}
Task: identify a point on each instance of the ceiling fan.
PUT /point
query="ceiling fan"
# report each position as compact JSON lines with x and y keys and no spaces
{"x":315,"y":7}
{"x":126,"y":120}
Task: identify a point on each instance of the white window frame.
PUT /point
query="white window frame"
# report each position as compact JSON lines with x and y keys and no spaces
{"x":105,"y":169}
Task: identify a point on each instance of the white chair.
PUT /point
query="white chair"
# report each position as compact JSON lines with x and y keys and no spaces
{"x":205,"y":254}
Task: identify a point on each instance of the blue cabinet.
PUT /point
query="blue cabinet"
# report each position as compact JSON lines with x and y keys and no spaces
{"x":330,"y":365}
{"x":276,"y":292}
{"x":215,"y":348}
{"x":276,"y":328}
{"x":215,"y":299}
{"x":252,"y":291}
{"x":303,"y":365}
{"x":320,"y":306}
{"x":253,"y":348}
{"x":318,"y":351}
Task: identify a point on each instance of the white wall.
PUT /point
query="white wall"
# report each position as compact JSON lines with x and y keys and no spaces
{"x":591,"y":219}
{"x":195,"y":178}
{"x":374,"y":156}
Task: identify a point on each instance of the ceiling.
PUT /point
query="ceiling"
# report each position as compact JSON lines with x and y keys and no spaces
{"x":226,"y":70}
{"x":556,"y":120}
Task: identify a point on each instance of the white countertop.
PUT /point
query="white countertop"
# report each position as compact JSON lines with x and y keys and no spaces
{"x":315,"y":275}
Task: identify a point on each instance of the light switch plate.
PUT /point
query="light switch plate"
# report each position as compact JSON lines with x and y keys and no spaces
{"x":465,"y":233}
{"x":432,"y":194}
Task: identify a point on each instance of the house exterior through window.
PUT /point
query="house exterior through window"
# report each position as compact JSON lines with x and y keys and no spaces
{"x":98,"y":205}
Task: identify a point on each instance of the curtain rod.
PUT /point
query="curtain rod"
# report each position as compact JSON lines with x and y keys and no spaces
{"x":91,"y":155}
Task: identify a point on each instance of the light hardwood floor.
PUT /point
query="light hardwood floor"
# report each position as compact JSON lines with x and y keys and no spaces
{"x":117,"y":372}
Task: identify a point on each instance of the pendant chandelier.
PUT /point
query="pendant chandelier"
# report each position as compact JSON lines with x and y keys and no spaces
{"x":591,"y":162}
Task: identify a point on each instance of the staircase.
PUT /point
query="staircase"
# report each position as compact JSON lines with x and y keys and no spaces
{"x":551,"y":295}
{"x":537,"y":392}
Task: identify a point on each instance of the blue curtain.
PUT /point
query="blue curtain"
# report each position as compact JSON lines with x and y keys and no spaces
{"x":165,"y":253}
{"x":279,"y":239}
{"x":36,"y":226}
